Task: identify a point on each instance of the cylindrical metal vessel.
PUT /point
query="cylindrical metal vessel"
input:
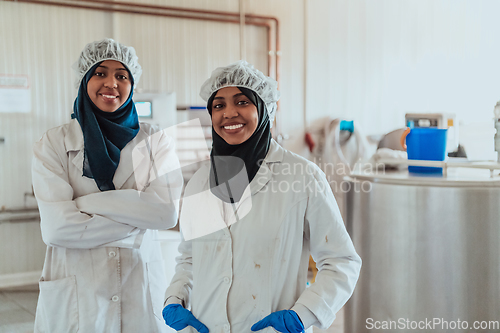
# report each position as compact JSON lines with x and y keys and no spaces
{"x":430,"y":249}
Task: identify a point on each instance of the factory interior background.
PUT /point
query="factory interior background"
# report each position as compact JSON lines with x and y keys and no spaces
{"x":370,"y":61}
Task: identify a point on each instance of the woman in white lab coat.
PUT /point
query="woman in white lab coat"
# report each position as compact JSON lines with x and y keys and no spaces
{"x":103,"y":188}
{"x":250,"y":219}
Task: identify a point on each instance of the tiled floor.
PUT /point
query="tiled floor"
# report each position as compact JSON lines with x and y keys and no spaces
{"x":17,"y":312}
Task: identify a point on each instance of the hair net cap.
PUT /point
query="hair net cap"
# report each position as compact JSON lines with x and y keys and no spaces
{"x":107,"y":49}
{"x":242,"y":74}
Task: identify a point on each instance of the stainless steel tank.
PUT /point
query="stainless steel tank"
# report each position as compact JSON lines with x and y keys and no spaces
{"x":431,"y":252}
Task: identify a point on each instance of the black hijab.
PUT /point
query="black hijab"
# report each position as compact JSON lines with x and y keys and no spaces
{"x":228,"y":162}
{"x":105,"y":134}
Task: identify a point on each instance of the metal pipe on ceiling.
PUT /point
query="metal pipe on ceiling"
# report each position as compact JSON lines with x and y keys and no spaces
{"x":214,"y":16}
{"x":277,"y":53}
{"x":143,"y":9}
{"x":242,"y":30}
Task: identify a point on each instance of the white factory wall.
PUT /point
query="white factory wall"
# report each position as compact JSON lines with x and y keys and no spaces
{"x":376,"y":60}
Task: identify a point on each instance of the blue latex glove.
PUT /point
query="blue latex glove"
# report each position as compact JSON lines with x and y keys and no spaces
{"x":285,"y":321}
{"x":179,"y":318}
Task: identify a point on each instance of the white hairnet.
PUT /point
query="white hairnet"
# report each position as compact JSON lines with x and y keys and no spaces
{"x":107,"y":49}
{"x":242,"y":74}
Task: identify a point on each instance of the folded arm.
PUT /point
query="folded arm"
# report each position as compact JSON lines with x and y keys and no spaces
{"x":62,"y":223}
{"x":158,"y":176}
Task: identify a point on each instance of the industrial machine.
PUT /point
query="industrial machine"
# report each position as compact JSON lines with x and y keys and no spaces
{"x":429,"y":246}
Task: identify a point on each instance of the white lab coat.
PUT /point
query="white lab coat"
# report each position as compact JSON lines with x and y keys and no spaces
{"x":233,"y":277}
{"x":103,"y":269}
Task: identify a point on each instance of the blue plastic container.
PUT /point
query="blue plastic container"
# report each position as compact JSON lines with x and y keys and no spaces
{"x":426,"y":144}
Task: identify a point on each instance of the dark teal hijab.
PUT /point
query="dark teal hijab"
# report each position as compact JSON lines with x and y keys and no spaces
{"x":105,"y":134}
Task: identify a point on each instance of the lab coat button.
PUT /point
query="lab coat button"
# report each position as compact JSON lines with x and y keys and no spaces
{"x":226,"y":327}
{"x":226,"y":279}
{"x":115,"y":298}
{"x":112,"y":253}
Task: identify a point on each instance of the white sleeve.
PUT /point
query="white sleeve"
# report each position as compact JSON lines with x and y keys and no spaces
{"x":336,"y":259}
{"x":62,"y":223}
{"x":154,"y":208}
{"x":182,"y":282}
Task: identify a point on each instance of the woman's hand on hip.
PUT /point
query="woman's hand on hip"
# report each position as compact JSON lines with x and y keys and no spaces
{"x":179,"y":318}
{"x":285,"y":321}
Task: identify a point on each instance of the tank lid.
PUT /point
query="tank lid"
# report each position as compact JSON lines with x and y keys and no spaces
{"x":456,"y":177}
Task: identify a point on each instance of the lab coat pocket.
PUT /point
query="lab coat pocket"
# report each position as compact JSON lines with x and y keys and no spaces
{"x":57,"y":309}
{"x":157,"y":286}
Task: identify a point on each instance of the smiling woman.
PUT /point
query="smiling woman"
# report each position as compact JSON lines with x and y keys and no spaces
{"x":103,"y":271}
{"x":110,"y":86}
{"x":234,"y":116}
{"x":246,"y":246}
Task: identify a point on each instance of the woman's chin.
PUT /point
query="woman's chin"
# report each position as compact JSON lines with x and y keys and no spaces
{"x":235,"y":141}
{"x":107,"y":108}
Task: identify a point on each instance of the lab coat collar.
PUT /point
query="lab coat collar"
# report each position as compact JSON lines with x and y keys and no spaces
{"x":74,"y":138}
{"x":74,"y":142}
{"x":264,"y":175}
{"x":275,"y":153}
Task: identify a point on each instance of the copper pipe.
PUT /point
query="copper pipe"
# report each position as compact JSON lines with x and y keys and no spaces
{"x":243,"y":51}
{"x":199,"y":11}
{"x":157,"y":7}
{"x":130,"y":4}
{"x":188,"y":10}
{"x":278,"y":53}
{"x":129,"y":11}
{"x":277,"y":36}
